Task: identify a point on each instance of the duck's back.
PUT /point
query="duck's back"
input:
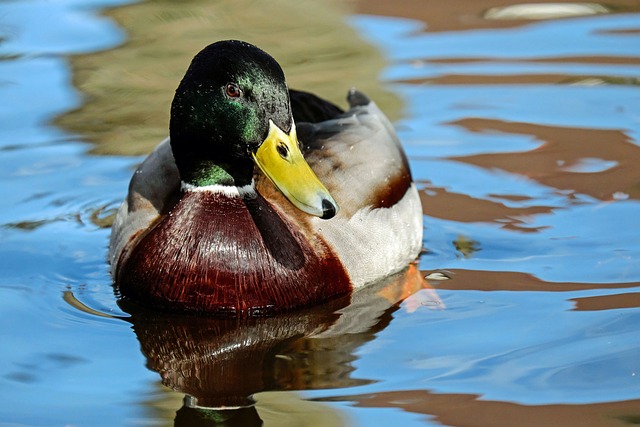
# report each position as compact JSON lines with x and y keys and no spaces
{"x":358,"y":157}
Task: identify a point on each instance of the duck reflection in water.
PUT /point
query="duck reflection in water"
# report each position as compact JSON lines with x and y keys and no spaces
{"x":220,"y":363}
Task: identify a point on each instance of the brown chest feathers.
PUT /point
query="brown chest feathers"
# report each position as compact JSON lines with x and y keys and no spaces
{"x":229,"y":256}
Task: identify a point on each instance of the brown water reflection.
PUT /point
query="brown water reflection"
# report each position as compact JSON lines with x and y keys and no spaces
{"x":474,"y":280}
{"x":441,"y":203}
{"x":129,"y":89}
{"x":557,"y":162}
{"x":221,"y":363}
{"x":466,"y":410}
{"x":527,"y":79}
{"x":608,"y":302}
{"x":461,"y":15}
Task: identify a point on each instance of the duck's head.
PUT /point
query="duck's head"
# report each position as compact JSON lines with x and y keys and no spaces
{"x":231,"y":112}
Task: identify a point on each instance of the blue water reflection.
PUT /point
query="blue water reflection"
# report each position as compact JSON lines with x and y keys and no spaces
{"x":62,"y":27}
{"x":59,"y":365}
{"x":599,"y":107}
{"x":563,"y":38}
{"x":566,"y":249}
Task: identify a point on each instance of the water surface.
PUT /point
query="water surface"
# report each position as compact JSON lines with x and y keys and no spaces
{"x":522,"y":128}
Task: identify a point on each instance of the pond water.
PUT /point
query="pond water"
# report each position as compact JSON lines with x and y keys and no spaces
{"x":522,"y":125}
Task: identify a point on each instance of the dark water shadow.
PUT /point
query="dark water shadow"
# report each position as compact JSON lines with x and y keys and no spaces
{"x":219,"y":363}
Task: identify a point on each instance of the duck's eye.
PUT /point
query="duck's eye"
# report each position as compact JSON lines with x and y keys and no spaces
{"x":283,"y":151}
{"x":232,"y":90}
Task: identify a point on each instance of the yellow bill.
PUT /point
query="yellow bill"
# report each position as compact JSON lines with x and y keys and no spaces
{"x":280,"y":158}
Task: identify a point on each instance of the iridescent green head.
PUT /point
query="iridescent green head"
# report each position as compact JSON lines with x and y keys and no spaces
{"x":231,"y":112}
{"x":221,"y":112}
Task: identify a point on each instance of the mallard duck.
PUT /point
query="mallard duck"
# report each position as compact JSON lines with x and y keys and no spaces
{"x":245,"y":211}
